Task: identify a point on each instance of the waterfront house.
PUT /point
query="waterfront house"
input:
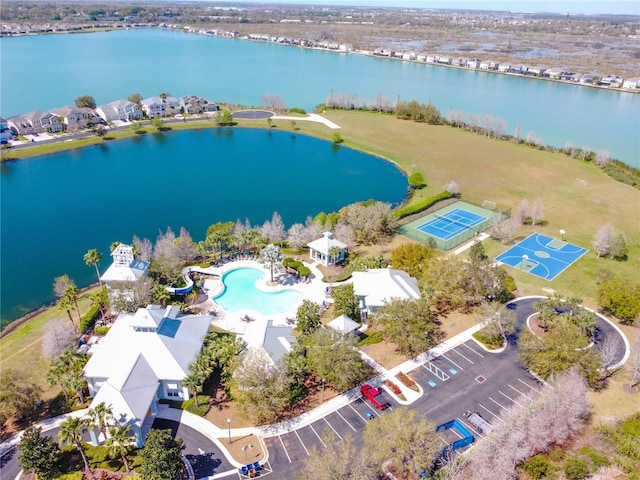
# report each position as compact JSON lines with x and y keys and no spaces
{"x":36,"y":121}
{"x":587,"y":79}
{"x":320,"y":249}
{"x":633,"y":82}
{"x":193,"y":104}
{"x":122,"y":110}
{"x":143,"y":359}
{"x":5,"y":131}
{"x":614,"y":81}
{"x":160,"y":106}
{"x":472,"y":63}
{"x":19,"y":125}
{"x":376,"y":287}
{"x":72,"y":117}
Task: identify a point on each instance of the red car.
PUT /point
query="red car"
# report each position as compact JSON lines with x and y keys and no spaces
{"x":374,"y":396}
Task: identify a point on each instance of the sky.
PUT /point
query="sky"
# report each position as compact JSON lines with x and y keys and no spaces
{"x":627,"y":7}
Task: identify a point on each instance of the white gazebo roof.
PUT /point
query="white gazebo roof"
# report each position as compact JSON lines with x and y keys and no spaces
{"x":343,"y":324}
{"x":380,"y":285}
{"x":327,"y":241}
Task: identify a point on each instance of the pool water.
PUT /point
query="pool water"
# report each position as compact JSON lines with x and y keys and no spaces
{"x":240,"y":293}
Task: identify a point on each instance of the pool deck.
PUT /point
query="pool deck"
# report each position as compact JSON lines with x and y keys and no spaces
{"x":253,"y":332}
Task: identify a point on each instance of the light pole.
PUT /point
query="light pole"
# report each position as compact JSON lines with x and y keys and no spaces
{"x":229,"y":427}
{"x":525,"y":257}
{"x":562,"y":234}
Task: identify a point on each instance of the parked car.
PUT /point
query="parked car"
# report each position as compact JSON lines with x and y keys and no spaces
{"x":374,"y":396}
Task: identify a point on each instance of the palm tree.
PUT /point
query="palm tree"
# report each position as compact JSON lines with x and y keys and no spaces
{"x":65,"y":305}
{"x":193,"y":383}
{"x":72,"y":294}
{"x":71,"y":431}
{"x":101,"y":300}
{"x":334,"y":253}
{"x":119,"y":443}
{"x":93,"y":257}
{"x":99,"y":416}
{"x":271,"y":257}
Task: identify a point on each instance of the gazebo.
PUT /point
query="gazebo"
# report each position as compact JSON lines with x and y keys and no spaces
{"x":343,"y":324}
{"x":320,"y":249}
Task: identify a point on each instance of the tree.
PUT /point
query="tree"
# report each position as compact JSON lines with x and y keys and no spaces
{"x":308,"y":317}
{"x":143,"y":249}
{"x":477,"y":252}
{"x":620,"y":297}
{"x":498,"y":320}
{"x":71,"y":432}
{"x":413,"y":258}
{"x":537,"y":210}
{"x":260,"y":388}
{"x":603,"y":238}
{"x":618,"y":249}
{"x":406,"y":439}
{"x":93,"y":257}
{"x":19,"y":396}
{"x":65,"y":370}
{"x":159,"y":123}
{"x":369,"y":220}
{"x":523,"y":211}
{"x":602,"y":157}
{"x":339,"y":460}
{"x":345,"y":302}
{"x":119,"y":443}
{"x":296,"y":236}
{"x":135,"y":98}
{"x":271,"y":257}
{"x":85,"y":101}
{"x":99,"y":416}
{"x":58,"y":337}
{"x":100,"y":299}
{"x":410,"y":324}
{"x":273,"y":231}
{"x":161,"y":457}
{"x":562,"y":348}
{"x":634,"y":360}
{"x":38,"y":454}
{"x":66,"y":290}
{"x":452,"y":187}
{"x":332,"y":355}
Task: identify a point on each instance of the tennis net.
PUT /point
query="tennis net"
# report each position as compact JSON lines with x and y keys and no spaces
{"x":457,"y":222}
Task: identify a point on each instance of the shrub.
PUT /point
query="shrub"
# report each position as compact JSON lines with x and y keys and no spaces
{"x":576,"y":468}
{"x":101,"y":330}
{"x":201,"y":409}
{"x":395,"y":389}
{"x":416,"y":180}
{"x":537,"y":466}
{"x":420,"y":206}
{"x":557,"y":455}
{"x":301,"y":111}
{"x":89,"y":318}
{"x":596,"y":459}
{"x":371,"y":338}
{"x":406,"y":381}
{"x":489,"y":342}
{"x":304,"y":271}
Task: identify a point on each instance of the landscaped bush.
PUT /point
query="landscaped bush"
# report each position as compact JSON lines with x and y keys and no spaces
{"x":538,"y":466}
{"x":395,"y":389}
{"x":489,"y":342}
{"x":421,"y":206}
{"x":576,"y":468}
{"x":301,"y":111}
{"x":371,"y":338}
{"x":89,"y":318}
{"x":416,"y":180}
{"x":304,"y":271}
{"x":200,"y":410}
{"x":101,"y":330}
{"x":406,"y":381}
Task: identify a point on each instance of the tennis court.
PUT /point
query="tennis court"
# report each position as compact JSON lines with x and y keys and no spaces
{"x":542,"y":256}
{"x":451,"y":224}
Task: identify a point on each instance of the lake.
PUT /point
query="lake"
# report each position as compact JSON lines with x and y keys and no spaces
{"x":56,"y":207}
{"x":43,"y":72}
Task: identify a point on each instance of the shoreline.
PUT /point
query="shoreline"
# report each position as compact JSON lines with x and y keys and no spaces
{"x":367,"y":53}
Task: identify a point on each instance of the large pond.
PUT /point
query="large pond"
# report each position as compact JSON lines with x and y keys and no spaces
{"x":54,"y":208}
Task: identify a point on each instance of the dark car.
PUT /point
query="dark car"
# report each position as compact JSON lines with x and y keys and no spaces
{"x":374,"y":396}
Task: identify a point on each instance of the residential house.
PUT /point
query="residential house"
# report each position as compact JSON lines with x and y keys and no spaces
{"x":615,"y":81}
{"x":124,"y":273}
{"x":536,"y":71}
{"x":38,"y":121}
{"x":5,"y":131}
{"x":160,"y":106}
{"x":587,"y":79}
{"x":505,"y":67}
{"x":72,"y":117}
{"x":472,"y":63}
{"x":554,"y":73}
{"x":443,"y":60}
{"x":194,"y":104}
{"x":321,"y":248}
{"x":633,"y":82}
{"x":20,"y":125}
{"x":376,"y":287}
{"x":122,"y":110}
{"x":143,"y":359}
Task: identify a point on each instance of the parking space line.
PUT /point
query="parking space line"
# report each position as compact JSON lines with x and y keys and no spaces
{"x":331,"y":427}
{"x":462,"y":356}
{"x":365,"y":420}
{"x":473,"y":350}
{"x":285,"y":449}
{"x":521,"y":393}
{"x":491,"y":413}
{"x":314,"y":431}
{"x":345,"y":421}
{"x":532,"y":388}
{"x":469,"y":426}
{"x":447,"y":358}
{"x":508,"y":397}
{"x":301,"y":442}
{"x":501,"y":406}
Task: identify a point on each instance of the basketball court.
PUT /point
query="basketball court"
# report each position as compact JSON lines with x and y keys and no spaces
{"x":542,"y":256}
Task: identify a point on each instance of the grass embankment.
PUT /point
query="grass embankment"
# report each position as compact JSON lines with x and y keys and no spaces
{"x":484,"y":168}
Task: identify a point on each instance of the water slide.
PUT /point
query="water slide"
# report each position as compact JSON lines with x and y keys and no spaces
{"x":186,"y":274}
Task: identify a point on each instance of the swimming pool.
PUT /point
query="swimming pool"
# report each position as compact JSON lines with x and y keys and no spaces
{"x":240,"y":293}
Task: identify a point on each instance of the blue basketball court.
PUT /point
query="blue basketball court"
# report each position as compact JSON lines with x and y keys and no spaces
{"x":542,"y":256}
{"x":451,"y":224}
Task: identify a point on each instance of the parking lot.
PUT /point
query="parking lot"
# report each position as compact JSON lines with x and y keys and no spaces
{"x":462,"y":381}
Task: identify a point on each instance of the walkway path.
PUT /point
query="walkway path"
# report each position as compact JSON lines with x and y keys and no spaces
{"x":312,"y":117}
